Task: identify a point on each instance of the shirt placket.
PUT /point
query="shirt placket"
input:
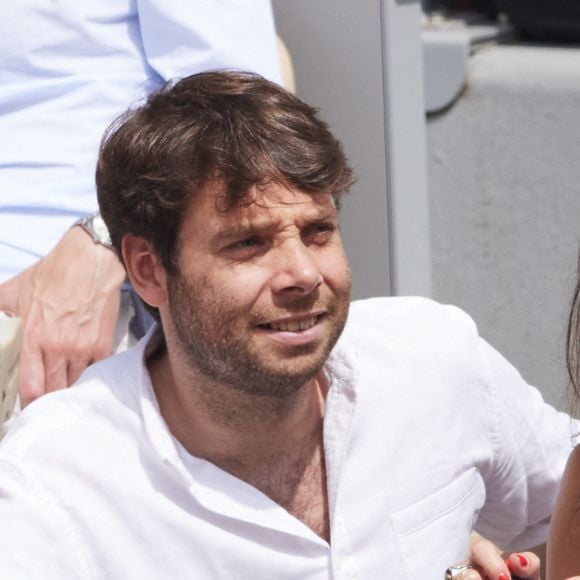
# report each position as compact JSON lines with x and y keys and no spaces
{"x":339,"y":411}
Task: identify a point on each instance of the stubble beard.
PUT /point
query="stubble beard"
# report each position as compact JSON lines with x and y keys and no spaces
{"x":212,"y":337}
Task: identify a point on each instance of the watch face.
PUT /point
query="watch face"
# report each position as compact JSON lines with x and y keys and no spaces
{"x":97,"y":229}
{"x":101,"y":230}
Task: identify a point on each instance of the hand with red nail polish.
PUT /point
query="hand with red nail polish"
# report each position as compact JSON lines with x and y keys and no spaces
{"x":487,"y":562}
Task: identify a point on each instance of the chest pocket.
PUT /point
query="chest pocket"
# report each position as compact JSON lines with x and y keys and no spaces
{"x":434,"y":533}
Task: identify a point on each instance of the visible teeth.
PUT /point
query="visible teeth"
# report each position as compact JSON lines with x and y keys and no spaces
{"x":293,"y":325}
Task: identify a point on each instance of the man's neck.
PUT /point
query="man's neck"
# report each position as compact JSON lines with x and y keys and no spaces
{"x":214,"y":420}
{"x":271,"y":443}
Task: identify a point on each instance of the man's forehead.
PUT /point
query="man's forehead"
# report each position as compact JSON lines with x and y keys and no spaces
{"x":290,"y":201}
{"x":264,"y":203}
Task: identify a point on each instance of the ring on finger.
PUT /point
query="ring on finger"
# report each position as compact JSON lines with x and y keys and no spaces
{"x":455,"y":571}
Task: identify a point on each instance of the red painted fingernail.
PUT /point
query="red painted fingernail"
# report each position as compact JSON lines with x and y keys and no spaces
{"x":523,"y":560}
{"x":503,"y":576}
{"x":507,"y":563}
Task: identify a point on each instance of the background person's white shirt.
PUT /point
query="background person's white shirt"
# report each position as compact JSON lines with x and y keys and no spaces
{"x":427,"y":431}
{"x":69,"y":67}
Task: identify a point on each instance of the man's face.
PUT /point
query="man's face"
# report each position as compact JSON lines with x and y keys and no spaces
{"x":262,"y":291}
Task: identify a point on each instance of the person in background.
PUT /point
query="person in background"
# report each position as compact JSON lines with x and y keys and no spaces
{"x":564,"y":543}
{"x":67,"y":68}
{"x":267,"y":427}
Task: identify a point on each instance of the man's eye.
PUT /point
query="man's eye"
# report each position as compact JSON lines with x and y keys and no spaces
{"x":319,"y":233}
{"x":246,"y":247}
{"x":246,"y":243}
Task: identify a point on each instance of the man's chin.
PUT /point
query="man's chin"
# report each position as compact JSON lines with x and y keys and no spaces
{"x":287,"y":379}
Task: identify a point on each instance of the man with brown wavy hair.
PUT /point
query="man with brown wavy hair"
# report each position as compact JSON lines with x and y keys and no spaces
{"x":266,"y":427}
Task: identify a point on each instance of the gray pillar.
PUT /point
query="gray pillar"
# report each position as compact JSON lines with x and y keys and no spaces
{"x":360,"y":63}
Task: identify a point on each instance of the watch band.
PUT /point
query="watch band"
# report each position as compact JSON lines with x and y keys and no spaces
{"x":94,"y":225}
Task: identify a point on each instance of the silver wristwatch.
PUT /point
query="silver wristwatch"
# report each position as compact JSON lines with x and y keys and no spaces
{"x":94,"y":225}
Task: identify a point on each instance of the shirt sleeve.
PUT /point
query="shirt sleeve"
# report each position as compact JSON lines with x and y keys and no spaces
{"x":36,"y":540}
{"x":532,"y":442}
{"x":181,"y":38}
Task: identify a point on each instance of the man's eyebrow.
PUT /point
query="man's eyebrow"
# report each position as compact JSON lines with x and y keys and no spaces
{"x":244,"y":231}
{"x":323,"y":216}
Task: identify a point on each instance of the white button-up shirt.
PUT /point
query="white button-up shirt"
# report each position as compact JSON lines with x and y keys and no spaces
{"x":427,"y":432}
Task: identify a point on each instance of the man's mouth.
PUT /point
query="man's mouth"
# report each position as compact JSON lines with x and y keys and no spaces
{"x":293,"y":325}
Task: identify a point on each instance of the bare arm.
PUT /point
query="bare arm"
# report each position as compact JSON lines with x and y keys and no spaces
{"x":69,"y":302}
{"x":564,"y":542}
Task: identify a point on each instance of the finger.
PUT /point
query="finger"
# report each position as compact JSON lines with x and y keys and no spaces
{"x":31,"y":373}
{"x":471,"y":575}
{"x":103,"y":346}
{"x":105,"y":341}
{"x":56,"y":371}
{"x":524,"y":565}
{"x":76,"y":368}
{"x":485,"y":558}
{"x":89,"y":351}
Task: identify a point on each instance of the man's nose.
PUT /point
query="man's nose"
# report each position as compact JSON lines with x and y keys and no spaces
{"x":296,"y":270}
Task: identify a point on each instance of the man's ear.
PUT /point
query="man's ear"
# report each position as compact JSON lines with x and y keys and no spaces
{"x":146,"y":273}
